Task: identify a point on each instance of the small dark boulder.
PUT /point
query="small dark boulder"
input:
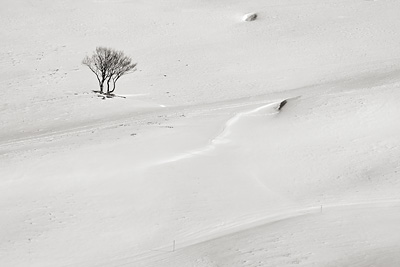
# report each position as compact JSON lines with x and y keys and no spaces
{"x":281,"y":105}
{"x":250,"y":17}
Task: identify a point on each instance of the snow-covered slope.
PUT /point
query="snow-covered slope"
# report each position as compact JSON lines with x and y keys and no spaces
{"x":198,"y":165}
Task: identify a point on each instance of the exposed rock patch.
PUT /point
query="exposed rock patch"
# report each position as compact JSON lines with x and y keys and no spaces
{"x":250,"y":17}
{"x":281,"y":105}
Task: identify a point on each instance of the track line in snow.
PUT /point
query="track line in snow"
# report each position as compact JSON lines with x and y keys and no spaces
{"x":243,"y":226}
{"x":126,"y":118}
{"x":288,"y":214}
{"x":222,"y":137}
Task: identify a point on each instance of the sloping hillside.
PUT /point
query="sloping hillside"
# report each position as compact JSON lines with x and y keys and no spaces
{"x":271,"y":142}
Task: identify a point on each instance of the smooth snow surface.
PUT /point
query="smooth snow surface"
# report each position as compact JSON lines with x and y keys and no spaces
{"x":196,"y":164}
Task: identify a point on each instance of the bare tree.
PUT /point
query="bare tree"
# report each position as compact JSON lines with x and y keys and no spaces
{"x":99,"y":64}
{"x":121,"y":65}
{"x":109,"y":65}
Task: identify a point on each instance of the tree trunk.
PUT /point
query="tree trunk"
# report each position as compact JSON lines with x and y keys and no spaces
{"x":108,"y":87}
{"x":101,"y":88}
{"x":114,"y":82}
{"x":113,"y":89}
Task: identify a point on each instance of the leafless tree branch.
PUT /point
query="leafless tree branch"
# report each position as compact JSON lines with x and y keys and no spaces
{"x":109,"y":65}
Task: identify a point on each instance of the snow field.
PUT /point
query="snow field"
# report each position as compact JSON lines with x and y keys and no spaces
{"x":197,"y":152}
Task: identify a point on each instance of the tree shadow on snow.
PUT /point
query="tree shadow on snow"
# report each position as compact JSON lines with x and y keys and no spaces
{"x":105,"y":95}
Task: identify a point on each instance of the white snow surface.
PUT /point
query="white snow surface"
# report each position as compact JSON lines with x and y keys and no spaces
{"x":197,"y":166}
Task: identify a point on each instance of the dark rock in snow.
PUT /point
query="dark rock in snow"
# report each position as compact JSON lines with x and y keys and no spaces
{"x":250,"y":17}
